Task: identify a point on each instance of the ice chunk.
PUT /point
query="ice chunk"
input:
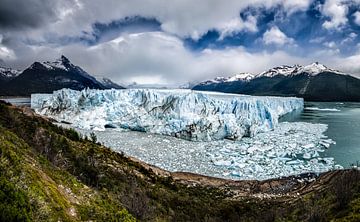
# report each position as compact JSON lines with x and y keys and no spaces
{"x":324,"y":109}
{"x":230,"y":159}
{"x":187,"y":114}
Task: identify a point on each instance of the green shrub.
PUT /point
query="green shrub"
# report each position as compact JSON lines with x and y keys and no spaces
{"x":14,"y":204}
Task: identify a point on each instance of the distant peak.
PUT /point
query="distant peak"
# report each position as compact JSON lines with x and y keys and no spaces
{"x":60,"y":63}
{"x":315,"y":68}
{"x":64,"y":59}
{"x":285,"y":70}
{"x":317,"y":64}
{"x":280,"y":70}
{"x":9,"y":72}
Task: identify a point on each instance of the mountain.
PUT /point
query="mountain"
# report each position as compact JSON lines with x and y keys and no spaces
{"x":46,"y":77}
{"x":8,"y":73}
{"x":314,"y":82}
{"x":48,"y":173}
{"x":136,"y":85}
{"x":108,"y":83}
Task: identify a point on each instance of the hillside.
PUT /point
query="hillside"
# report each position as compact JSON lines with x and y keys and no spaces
{"x":314,"y":82}
{"x":48,"y":173}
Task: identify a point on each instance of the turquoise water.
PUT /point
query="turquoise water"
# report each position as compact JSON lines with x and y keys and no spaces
{"x":343,"y":120}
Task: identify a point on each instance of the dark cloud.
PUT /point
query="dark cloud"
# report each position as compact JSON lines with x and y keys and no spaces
{"x":103,"y":32}
{"x":20,"y":14}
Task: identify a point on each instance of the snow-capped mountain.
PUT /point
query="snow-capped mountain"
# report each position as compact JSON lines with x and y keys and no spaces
{"x":49,"y":76}
{"x":108,"y":83}
{"x":8,"y":73}
{"x":314,"y":82}
{"x":312,"y":69}
{"x":238,"y":77}
{"x":285,"y":70}
{"x":280,"y":70}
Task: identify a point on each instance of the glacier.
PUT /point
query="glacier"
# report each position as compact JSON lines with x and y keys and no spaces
{"x":186,"y":114}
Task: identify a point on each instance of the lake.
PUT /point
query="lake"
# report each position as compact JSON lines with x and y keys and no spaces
{"x":17,"y":101}
{"x":261,"y":157}
{"x":343,"y":120}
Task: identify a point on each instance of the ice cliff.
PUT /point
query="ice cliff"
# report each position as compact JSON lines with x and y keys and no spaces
{"x":192,"y":115}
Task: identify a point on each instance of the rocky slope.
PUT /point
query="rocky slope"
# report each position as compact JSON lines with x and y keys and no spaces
{"x":314,"y":82}
{"x":8,"y":73}
{"x":46,"y":77}
{"x":48,"y":173}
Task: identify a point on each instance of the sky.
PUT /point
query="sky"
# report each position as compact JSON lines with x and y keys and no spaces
{"x":180,"y":41}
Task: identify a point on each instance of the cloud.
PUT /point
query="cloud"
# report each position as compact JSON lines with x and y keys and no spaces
{"x":5,"y":53}
{"x":337,"y":11}
{"x":157,"y":57}
{"x":357,"y":17}
{"x":351,"y":37}
{"x":331,"y":44}
{"x":128,"y":53}
{"x":277,"y":37}
{"x":26,"y":14}
{"x":292,"y":6}
{"x":183,"y":18}
{"x":236,"y":25}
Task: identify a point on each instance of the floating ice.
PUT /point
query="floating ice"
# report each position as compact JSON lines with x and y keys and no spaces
{"x":323,"y":109}
{"x":192,"y":115}
{"x":282,"y":152}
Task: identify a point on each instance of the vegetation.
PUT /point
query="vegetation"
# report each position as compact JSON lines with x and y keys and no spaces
{"x":48,"y":173}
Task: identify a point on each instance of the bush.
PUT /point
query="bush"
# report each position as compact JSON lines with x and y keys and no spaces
{"x":93,"y":137}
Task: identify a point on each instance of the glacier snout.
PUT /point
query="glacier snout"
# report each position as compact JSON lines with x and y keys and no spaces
{"x":192,"y":115}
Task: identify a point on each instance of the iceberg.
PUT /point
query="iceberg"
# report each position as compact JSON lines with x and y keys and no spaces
{"x":187,"y":114}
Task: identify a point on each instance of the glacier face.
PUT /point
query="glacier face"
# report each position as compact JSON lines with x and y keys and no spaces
{"x":191,"y":115}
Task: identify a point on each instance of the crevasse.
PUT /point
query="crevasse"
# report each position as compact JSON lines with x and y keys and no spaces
{"x":192,"y":115}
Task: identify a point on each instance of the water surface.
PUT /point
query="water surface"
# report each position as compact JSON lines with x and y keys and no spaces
{"x":343,"y":120}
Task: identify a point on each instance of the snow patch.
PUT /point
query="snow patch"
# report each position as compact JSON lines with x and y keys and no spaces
{"x":9,"y":73}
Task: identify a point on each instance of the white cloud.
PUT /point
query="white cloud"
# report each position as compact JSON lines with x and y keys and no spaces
{"x":348,"y":64}
{"x":317,"y":40}
{"x":277,"y":37}
{"x":357,"y":17}
{"x":184,"y":18}
{"x":351,"y":37}
{"x":140,"y":57}
{"x":336,"y":10}
{"x":331,"y":44}
{"x":156,"y":57}
{"x":236,"y":25}
{"x":159,"y":57}
{"x":296,"y":5}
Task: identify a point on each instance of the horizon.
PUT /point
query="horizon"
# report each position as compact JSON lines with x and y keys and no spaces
{"x":177,"y":43}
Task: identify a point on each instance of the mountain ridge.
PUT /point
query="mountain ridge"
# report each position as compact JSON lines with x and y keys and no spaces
{"x":314,"y":82}
{"x":46,"y":77}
